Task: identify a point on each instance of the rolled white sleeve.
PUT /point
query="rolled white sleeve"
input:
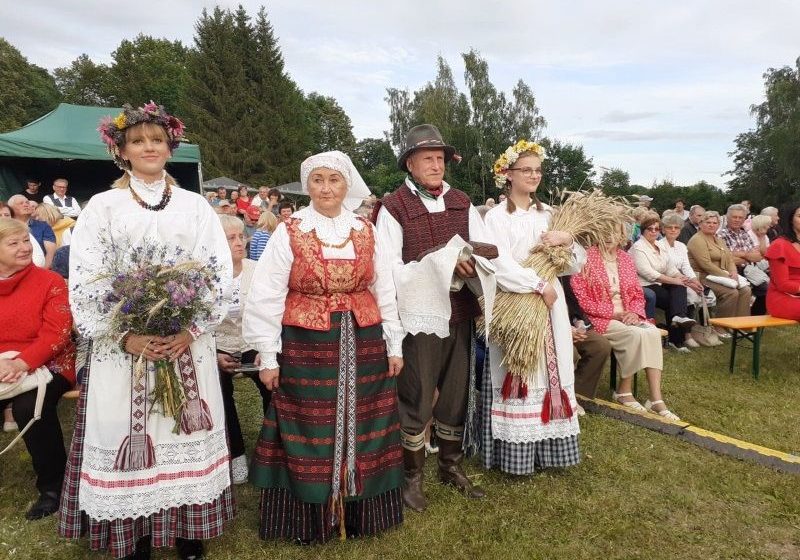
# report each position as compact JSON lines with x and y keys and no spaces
{"x":263,"y":316}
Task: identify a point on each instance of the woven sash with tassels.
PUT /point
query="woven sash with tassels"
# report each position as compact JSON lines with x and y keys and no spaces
{"x":346,"y":480}
{"x":136,"y":452}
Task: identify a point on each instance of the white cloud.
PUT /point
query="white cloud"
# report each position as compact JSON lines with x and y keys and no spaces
{"x":654,"y":88}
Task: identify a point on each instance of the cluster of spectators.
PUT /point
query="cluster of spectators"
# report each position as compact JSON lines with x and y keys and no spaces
{"x":723,"y":258}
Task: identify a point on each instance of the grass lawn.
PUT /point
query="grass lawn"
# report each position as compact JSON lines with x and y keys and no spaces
{"x":637,"y":494}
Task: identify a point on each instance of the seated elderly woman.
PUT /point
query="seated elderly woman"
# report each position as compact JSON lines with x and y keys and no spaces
{"x":35,"y":323}
{"x":609,"y":292}
{"x":324,"y":298}
{"x":232,"y":351}
{"x":657,"y":271}
{"x":714,"y":263}
{"x":671,"y":226}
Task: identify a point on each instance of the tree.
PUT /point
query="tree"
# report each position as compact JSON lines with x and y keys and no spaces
{"x":331,"y":127}
{"x":148,"y":69}
{"x":26,"y":91}
{"x":766,"y":166}
{"x":248,"y":116}
{"x":377,"y":165}
{"x":83,"y":82}
{"x":480,"y":124}
{"x":565,"y":168}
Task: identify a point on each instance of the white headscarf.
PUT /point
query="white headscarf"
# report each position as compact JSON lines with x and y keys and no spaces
{"x":357,"y":189}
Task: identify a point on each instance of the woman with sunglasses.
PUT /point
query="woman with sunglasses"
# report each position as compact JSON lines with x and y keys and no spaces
{"x":657,"y":271}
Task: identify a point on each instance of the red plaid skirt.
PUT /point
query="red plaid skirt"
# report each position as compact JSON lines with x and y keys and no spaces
{"x":194,"y":521}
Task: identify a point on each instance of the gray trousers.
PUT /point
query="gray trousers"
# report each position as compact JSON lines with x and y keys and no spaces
{"x":431,"y":362}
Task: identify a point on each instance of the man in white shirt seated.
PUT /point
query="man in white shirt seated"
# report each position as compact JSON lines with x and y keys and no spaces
{"x":68,"y":206}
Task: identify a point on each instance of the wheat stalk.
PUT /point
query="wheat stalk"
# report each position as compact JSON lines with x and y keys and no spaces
{"x":519,"y":320}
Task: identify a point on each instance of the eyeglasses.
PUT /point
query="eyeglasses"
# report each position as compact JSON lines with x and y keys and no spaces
{"x":526,"y":171}
{"x":653,"y":228}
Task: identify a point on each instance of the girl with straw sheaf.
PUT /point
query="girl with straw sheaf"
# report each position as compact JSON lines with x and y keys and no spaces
{"x":529,"y":411}
{"x":149,"y":464}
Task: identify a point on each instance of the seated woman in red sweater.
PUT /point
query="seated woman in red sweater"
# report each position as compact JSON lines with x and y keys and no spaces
{"x":783,"y":292}
{"x":36,"y":322}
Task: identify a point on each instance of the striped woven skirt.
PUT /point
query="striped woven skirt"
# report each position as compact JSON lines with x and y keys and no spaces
{"x":328,"y":457}
{"x":520,"y":458}
{"x":119,"y":536}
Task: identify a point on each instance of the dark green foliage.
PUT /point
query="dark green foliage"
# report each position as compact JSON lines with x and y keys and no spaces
{"x":83,"y":82}
{"x":377,"y":164}
{"x":26,"y":91}
{"x":766,"y":163}
{"x":148,"y":69}
{"x":249,"y":118}
{"x":331,"y":127}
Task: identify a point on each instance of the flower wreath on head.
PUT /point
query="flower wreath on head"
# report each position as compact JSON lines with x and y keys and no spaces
{"x":510,"y":156}
{"x":112,"y":130}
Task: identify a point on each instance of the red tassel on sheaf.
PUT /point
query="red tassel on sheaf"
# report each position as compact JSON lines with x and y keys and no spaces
{"x":514,"y":387}
{"x":556,"y":409}
{"x":135,"y":453}
{"x":195,"y":416}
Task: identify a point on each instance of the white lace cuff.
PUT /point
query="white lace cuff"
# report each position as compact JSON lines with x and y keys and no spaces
{"x":269,"y":360}
{"x":394,"y":340}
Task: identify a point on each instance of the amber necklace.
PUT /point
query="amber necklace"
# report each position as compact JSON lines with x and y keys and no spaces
{"x":334,"y":245}
{"x":154,"y":207}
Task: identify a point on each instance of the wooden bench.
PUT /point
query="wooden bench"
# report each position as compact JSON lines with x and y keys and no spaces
{"x":750,"y":328}
{"x":612,"y":378}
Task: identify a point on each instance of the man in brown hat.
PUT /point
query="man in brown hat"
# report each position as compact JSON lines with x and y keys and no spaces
{"x":422,"y":214}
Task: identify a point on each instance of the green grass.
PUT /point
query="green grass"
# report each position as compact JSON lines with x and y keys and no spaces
{"x":636,"y":494}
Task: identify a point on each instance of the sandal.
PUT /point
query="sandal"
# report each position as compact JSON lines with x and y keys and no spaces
{"x":634,"y":404}
{"x":666,"y":413}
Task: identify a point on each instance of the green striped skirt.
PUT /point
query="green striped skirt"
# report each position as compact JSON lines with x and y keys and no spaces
{"x":328,"y":457}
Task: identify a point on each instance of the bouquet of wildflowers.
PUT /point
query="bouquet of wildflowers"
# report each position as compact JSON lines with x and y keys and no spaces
{"x":155,"y":291}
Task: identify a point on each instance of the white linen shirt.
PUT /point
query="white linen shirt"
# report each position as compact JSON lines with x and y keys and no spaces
{"x":391,"y":232}
{"x":72,"y":211}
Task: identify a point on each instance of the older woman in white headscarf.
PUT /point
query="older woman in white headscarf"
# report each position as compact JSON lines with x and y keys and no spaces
{"x":322,"y":314}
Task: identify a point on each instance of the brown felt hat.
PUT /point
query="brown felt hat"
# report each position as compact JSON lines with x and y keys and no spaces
{"x":424,"y":136}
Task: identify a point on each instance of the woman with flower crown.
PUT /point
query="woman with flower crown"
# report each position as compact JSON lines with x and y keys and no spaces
{"x":522,"y":430}
{"x":134,"y":478}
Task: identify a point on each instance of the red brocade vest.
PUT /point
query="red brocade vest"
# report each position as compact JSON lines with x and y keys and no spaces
{"x":319,"y":286}
{"x":423,"y":230}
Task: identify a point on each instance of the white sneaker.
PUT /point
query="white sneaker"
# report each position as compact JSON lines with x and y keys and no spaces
{"x":10,"y":427}
{"x":683,"y":321}
{"x":239,"y":469}
{"x":681,"y":349}
{"x":580,"y":411}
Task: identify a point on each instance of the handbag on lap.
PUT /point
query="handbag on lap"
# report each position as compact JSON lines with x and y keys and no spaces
{"x":38,"y":380}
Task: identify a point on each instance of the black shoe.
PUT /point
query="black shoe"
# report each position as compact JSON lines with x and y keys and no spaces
{"x":47,"y":504}
{"x":189,"y":549}
{"x":142,"y":550}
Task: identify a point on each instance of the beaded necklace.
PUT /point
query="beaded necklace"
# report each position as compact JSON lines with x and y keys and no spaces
{"x":154,"y":207}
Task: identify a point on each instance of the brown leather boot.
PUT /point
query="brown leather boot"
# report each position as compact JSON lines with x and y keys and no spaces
{"x":413,"y":465}
{"x":450,"y":471}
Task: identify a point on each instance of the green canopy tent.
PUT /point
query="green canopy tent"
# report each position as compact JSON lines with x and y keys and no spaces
{"x":65,"y":143}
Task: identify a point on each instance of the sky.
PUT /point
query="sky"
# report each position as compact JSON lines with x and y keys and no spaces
{"x":658,"y":89}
